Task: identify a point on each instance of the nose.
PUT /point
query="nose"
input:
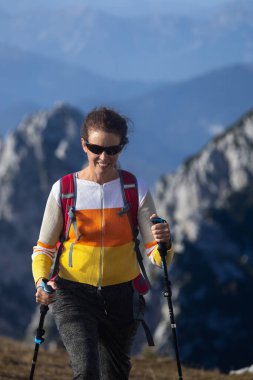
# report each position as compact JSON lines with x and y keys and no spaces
{"x":103,"y":155}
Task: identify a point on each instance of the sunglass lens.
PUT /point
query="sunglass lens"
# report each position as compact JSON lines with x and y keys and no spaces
{"x":110,"y":150}
{"x":96,"y":149}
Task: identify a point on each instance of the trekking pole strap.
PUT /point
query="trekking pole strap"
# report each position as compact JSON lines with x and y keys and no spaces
{"x":148,"y":334}
{"x":46,"y":288}
{"x":141,"y":265}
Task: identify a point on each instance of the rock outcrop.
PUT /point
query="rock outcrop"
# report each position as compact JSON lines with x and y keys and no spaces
{"x":209,"y":202}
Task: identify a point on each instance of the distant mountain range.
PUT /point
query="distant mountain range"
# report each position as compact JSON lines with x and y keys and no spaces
{"x":30,"y":82}
{"x":172,"y":121}
{"x":161,"y":46}
{"x":70,"y":54}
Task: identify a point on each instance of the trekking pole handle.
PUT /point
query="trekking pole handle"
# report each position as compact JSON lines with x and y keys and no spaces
{"x":157,"y":220}
{"x":46,"y":288}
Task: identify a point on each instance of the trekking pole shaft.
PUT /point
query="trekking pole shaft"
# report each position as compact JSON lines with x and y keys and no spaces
{"x":162,"y":248}
{"x":38,"y":338}
{"x":171,"y":312}
{"x":36,"y":351}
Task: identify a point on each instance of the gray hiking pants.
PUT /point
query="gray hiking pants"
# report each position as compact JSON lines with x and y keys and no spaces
{"x":97,"y":328}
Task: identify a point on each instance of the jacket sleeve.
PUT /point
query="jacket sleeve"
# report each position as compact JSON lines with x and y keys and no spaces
{"x":44,"y":251}
{"x":146,"y":209}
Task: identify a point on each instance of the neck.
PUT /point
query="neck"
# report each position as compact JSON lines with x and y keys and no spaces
{"x":100,"y":178}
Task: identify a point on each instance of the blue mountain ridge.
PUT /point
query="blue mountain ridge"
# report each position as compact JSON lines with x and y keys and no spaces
{"x":176,"y":119}
{"x":160,"y":46}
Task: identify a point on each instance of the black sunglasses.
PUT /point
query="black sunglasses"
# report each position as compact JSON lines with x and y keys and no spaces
{"x":98,"y":149}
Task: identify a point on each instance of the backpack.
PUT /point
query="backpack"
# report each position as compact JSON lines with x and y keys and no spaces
{"x":129,"y":188}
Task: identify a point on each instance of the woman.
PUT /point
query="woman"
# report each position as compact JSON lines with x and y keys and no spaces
{"x":93,"y":302}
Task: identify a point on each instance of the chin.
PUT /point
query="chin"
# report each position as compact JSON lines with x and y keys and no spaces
{"x":100,"y":170}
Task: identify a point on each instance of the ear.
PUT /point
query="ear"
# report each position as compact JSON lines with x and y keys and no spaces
{"x":84,"y":145}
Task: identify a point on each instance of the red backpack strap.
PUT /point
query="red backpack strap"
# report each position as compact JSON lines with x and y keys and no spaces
{"x":68,"y":201}
{"x":130,"y":187}
{"x":130,"y":196}
{"x":141,"y":284}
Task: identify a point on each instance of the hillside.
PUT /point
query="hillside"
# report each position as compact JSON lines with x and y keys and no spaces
{"x":15,"y":363}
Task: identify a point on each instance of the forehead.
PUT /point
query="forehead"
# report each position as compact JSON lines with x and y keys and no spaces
{"x":99,"y":137}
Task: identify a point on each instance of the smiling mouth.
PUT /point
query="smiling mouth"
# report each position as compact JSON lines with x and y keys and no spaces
{"x":103,"y":164}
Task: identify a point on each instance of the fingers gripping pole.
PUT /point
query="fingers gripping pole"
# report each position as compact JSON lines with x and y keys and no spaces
{"x":162,"y":248}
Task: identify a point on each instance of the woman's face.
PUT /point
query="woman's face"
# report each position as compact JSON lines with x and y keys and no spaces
{"x":103,"y":164}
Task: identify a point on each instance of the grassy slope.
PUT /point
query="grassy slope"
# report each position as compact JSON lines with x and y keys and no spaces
{"x":15,"y":363}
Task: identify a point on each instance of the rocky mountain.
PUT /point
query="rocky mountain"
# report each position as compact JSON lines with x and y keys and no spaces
{"x":32,"y":158}
{"x":209,"y":203}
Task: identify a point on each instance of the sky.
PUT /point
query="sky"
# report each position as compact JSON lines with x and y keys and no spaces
{"x":117,"y":7}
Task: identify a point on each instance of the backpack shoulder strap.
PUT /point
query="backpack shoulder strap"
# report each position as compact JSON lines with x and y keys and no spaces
{"x":68,"y":201}
{"x":141,"y":285}
{"x":129,"y":186}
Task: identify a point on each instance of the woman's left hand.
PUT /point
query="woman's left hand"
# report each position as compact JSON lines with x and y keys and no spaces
{"x":43,"y":297}
{"x":161,"y":232}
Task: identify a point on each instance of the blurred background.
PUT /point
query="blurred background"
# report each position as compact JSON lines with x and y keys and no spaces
{"x":182,"y":71}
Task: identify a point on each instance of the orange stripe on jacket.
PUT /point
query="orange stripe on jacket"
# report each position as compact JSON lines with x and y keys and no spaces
{"x":43,"y":245}
{"x":102,"y":227}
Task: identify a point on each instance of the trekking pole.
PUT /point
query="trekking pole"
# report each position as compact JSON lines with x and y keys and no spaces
{"x":40,"y":331}
{"x":162,"y":248}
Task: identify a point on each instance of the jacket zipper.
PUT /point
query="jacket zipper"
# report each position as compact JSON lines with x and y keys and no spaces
{"x":102,"y":238}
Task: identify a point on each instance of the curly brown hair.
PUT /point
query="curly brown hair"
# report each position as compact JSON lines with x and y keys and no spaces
{"x":107,"y":120}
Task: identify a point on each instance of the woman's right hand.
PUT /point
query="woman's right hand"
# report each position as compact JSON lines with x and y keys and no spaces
{"x":42,"y":296}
